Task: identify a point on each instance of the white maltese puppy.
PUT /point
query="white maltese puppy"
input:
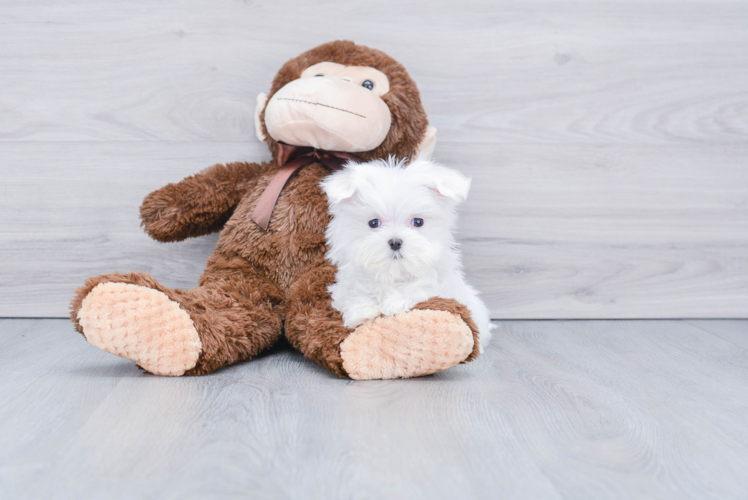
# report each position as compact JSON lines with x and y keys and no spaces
{"x":391,"y":238}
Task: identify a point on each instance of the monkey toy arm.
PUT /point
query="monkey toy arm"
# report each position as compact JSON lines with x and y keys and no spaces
{"x":199,"y":204}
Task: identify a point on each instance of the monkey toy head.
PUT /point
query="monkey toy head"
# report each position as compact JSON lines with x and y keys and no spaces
{"x":345,"y":97}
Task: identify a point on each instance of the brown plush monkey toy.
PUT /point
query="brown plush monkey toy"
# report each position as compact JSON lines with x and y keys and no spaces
{"x":268,"y":276}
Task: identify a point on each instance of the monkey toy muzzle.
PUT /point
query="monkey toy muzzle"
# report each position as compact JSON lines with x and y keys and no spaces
{"x":331,"y":110}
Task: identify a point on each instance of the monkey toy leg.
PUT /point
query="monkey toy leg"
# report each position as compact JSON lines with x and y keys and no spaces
{"x":234,"y":316}
{"x":437,"y":334}
{"x":230,"y":318}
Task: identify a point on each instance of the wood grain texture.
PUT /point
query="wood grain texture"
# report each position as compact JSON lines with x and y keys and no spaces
{"x":554,"y":409}
{"x":607,"y":140}
{"x":731,"y":330}
{"x":546,"y":71}
{"x":607,"y":232}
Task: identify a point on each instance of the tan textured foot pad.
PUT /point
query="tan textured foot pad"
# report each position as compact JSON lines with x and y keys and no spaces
{"x":409,"y":344}
{"x":142,"y":325}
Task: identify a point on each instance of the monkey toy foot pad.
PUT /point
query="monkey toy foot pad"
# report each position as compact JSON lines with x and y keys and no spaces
{"x":406,"y":345}
{"x":142,"y":325}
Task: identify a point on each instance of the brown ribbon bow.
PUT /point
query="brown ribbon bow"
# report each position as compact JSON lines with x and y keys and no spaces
{"x":291,"y":159}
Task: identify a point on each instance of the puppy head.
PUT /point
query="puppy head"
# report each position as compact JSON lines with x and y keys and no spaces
{"x":392,"y":220}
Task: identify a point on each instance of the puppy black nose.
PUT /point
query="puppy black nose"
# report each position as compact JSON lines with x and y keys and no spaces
{"x":395,"y":244}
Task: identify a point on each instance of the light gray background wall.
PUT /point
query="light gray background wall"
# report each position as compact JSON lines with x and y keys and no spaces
{"x":608,"y":141}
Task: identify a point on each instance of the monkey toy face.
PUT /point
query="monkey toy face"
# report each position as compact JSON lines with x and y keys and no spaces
{"x":345,"y":97}
{"x":331,"y":107}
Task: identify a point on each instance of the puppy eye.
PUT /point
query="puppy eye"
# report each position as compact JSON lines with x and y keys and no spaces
{"x":368,"y":84}
{"x":418,"y":222}
{"x":318,"y":75}
{"x":374,"y":223}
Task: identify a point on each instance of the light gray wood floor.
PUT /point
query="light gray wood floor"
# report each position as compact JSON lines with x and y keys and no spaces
{"x":554,"y":409}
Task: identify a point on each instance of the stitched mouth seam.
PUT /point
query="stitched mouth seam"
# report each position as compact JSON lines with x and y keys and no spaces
{"x":320,"y":104}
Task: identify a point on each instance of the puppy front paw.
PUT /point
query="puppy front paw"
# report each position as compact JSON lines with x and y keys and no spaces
{"x":360,"y":315}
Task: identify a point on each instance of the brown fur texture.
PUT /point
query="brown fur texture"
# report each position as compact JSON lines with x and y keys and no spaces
{"x":260,"y":284}
{"x":200,"y":204}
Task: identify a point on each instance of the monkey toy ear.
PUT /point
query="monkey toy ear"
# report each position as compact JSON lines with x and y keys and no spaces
{"x":262,"y":99}
{"x":426,"y":148}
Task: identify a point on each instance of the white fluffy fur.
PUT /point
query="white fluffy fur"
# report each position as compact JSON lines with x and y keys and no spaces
{"x":373,"y":279}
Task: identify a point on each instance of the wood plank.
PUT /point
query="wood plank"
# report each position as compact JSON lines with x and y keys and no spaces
{"x":598,"y":403}
{"x":607,"y":232}
{"x":548,"y":232}
{"x":554,"y":409}
{"x":504,"y":72}
{"x":731,"y":330}
{"x":51,"y":382}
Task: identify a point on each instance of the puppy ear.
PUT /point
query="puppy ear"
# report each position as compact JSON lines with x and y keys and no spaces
{"x":448,"y":183}
{"x":340,"y":185}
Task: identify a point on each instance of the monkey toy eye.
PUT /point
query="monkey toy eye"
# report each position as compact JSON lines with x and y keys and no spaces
{"x":418,"y":222}
{"x":374,"y":223}
{"x":368,"y":84}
